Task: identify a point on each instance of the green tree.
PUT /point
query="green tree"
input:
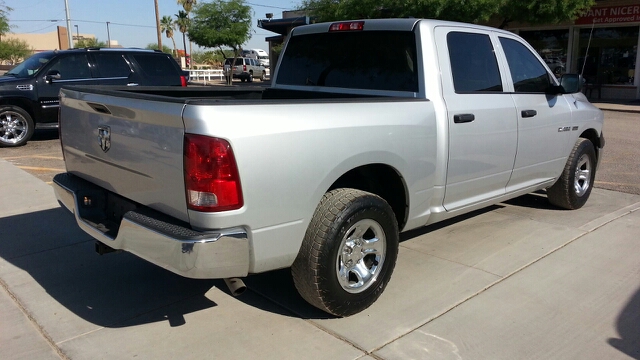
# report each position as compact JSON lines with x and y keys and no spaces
{"x":473,"y":11}
{"x":182,"y":22}
{"x":4,"y":19}
{"x":90,"y":43}
{"x":14,"y":51}
{"x":154,"y":46}
{"x":188,"y":5}
{"x":221,"y":23}
{"x":168,"y":26}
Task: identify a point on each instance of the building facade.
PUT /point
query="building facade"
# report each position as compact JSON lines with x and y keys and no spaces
{"x":602,"y":44}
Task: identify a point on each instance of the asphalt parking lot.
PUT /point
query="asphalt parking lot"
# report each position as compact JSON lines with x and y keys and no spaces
{"x":517,"y":280}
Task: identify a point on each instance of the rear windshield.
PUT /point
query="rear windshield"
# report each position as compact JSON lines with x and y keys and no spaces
{"x":369,"y":60}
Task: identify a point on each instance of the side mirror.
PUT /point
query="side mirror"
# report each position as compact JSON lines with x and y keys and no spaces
{"x":571,"y":83}
{"x":52,"y":75}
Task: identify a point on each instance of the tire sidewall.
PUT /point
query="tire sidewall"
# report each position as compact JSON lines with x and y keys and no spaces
{"x":585,"y":147}
{"x":369,"y":207}
{"x":28,"y":119}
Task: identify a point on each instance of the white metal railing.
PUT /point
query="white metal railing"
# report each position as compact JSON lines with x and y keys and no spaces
{"x":206,"y":75}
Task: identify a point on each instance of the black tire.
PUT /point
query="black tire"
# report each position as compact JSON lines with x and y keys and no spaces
{"x":250,"y":78}
{"x":243,"y":79}
{"x":573,"y":188}
{"x":329,"y":247}
{"x":16,"y":126}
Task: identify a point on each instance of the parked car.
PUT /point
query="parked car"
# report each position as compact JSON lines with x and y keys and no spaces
{"x":258,"y":54}
{"x":29,"y":91}
{"x":322,"y":170}
{"x":246,"y":69}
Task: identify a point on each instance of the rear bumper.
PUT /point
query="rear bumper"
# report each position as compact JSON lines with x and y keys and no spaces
{"x":154,"y":237}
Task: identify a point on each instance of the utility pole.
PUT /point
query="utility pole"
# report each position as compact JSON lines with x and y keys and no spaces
{"x":108,"y":36}
{"x":158,"y":26}
{"x":66,"y":10}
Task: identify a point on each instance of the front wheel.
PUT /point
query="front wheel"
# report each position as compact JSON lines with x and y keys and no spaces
{"x":348,"y":253}
{"x":573,"y":188}
{"x":16,"y":126}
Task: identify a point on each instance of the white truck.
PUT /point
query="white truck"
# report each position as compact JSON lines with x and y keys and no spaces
{"x":347,"y":151}
{"x":260,"y":55}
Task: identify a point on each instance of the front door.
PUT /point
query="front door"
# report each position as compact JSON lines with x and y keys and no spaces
{"x":544,"y":120}
{"x":74,"y":69}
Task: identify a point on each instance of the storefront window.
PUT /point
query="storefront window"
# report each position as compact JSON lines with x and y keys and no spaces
{"x":612,"y":55}
{"x":552,"y":46}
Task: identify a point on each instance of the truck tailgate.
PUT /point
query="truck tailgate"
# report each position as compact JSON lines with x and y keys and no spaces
{"x":130,"y":146}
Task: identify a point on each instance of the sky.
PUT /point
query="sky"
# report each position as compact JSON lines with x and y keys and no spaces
{"x":132,"y":23}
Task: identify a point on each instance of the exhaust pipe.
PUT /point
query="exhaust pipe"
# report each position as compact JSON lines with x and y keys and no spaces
{"x":104,"y":249}
{"x":236,"y":286}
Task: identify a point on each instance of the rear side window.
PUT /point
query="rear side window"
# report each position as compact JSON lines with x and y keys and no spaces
{"x":368,"y":60}
{"x":527,"y":72}
{"x":156,"y":65}
{"x":112,"y":65}
{"x":473,"y":63}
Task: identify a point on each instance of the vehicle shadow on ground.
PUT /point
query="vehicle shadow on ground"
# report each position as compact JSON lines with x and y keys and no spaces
{"x":110,"y":290}
{"x":628,"y":326}
{"x":44,"y":134}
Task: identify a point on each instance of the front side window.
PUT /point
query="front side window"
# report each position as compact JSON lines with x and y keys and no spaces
{"x":473,"y":63}
{"x":527,"y":73}
{"x":366,"y":60}
{"x":72,"y":67}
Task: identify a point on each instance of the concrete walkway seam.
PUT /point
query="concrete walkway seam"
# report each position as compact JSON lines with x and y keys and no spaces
{"x":636,"y":205}
{"x":34,"y":322}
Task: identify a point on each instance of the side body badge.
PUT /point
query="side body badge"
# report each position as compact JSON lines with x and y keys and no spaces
{"x":104,"y":137}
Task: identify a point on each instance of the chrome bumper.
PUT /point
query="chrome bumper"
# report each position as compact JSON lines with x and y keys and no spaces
{"x":168,"y":244}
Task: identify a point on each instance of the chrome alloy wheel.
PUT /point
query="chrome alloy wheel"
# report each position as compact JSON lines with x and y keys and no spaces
{"x":13,"y":127}
{"x":582,"y":180}
{"x":361,"y":256}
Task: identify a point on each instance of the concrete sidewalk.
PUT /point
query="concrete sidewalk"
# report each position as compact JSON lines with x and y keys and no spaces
{"x":517,"y":280}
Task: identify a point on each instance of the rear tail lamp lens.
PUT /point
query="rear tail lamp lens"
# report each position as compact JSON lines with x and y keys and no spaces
{"x":183,"y":81}
{"x":211,"y":175}
{"x":244,"y":67}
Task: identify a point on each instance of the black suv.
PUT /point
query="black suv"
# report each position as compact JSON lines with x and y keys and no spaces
{"x":29,"y":91}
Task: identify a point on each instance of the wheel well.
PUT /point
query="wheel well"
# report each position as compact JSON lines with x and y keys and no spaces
{"x":381,"y":180}
{"x":592,"y":136}
{"x":24,"y":104}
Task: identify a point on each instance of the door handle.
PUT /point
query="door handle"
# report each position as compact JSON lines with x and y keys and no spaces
{"x":132,"y":84}
{"x":529,"y":113}
{"x":463,"y":118}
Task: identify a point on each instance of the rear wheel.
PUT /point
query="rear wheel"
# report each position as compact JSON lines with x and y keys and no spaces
{"x":348,"y":253}
{"x":16,"y":126}
{"x":573,"y":188}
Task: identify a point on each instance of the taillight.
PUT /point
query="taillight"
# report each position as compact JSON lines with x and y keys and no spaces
{"x":211,"y":175}
{"x":347,"y":26}
{"x":183,"y":81}
{"x":244,"y":67}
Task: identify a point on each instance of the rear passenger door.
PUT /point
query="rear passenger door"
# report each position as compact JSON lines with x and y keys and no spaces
{"x":112,"y":69}
{"x":481,"y":117}
{"x":544,"y":120}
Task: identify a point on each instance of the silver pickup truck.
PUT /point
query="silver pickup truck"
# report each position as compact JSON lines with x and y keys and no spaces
{"x":321,"y":171}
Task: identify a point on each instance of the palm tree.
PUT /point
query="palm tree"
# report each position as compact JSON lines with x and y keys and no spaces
{"x":182,"y":23}
{"x":167,"y":26}
{"x":187,"y":5}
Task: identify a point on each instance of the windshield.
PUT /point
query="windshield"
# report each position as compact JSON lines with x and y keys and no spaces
{"x":31,"y":66}
{"x":263,"y":57}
